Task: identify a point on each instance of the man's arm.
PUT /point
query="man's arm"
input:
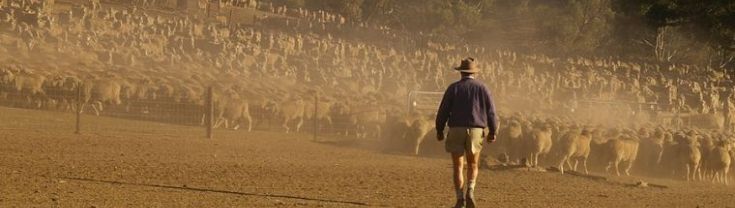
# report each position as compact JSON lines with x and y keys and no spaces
{"x":442,"y":115}
{"x":492,"y":120}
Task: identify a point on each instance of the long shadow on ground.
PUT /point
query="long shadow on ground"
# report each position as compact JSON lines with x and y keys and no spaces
{"x":185,"y":188}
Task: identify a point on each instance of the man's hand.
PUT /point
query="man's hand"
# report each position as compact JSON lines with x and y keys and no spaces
{"x":440,"y":136}
{"x":491,"y":138}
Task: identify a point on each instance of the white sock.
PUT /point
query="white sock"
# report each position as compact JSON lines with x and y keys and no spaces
{"x":471,"y":186}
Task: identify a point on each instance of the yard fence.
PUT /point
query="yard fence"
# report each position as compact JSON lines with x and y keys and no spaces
{"x":83,"y":103}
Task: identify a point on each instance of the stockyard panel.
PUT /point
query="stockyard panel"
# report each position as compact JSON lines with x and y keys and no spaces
{"x":145,"y":112}
{"x":424,"y":101}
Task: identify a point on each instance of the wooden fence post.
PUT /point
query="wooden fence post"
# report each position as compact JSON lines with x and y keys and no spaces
{"x":209,"y":111}
{"x":80,"y":105}
{"x":315,"y":116}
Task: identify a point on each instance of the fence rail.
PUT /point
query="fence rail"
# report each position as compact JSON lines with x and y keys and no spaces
{"x":204,"y":114}
{"x":423,"y":100}
{"x":80,"y":102}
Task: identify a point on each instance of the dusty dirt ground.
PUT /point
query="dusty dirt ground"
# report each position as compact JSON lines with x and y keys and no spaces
{"x":123,"y":163}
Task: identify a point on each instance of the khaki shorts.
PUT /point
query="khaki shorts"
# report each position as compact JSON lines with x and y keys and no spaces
{"x":463,"y":139}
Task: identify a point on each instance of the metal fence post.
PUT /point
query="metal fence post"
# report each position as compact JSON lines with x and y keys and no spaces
{"x":315,"y":116}
{"x":80,"y":105}
{"x":209,"y":111}
{"x":409,"y":105}
{"x":229,"y":19}
{"x":208,"y":7}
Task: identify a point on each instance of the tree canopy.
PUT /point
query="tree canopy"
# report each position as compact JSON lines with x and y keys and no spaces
{"x":697,"y":32}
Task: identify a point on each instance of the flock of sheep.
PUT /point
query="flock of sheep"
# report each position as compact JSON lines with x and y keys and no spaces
{"x":655,"y":151}
{"x":658,"y":151}
{"x":287,"y":75}
{"x":164,"y":97}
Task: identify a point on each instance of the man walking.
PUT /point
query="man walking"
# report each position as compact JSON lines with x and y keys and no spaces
{"x":468,"y":108}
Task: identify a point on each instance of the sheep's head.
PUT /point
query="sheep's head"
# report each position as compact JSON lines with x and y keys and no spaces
{"x":614,"y":132}
{"x":71,"y":83}
{"x":270,"y":106}
{"x":726,"y":144}
{"x":632,"y":137}
{"x":586,"y":132}
{"x":644,"y":132}
{"x":731,"y":146}
{"x":6,"y":76}
{"x":514,"y":123}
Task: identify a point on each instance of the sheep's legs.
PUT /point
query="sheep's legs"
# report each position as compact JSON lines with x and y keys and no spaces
{"x":218,"y":123}
{"x":250,"y":122}
{"x":561,"y":164}
{"x":613,"y":164}
{"x":417,"y":147}
{"x":298,"y":125}
{"x":96,"y":110}
{"x":417,"y":144}
{"x":529,"y":161}
{"x":329,"y":122}
{"x":628,"y":167}
{"x":99,"y":108}
{"x":379,"y":131}
{"x":285,"y":125}
{"x":724,"y":176}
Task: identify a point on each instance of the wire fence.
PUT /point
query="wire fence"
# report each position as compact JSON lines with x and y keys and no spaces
{"x":316,"y":118}
{"x":82,"y":102}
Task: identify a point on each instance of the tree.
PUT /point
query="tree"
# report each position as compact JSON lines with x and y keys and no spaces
{"x":351,"y":9}
{"x":373,"y":10}
{"x":290,"y":3}
{"x":580,"y":26}
{"x":708,"y":22}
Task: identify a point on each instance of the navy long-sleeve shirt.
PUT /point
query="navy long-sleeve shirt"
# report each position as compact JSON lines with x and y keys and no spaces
{"x":467,"y":103}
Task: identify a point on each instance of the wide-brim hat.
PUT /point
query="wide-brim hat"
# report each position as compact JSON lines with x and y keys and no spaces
{"x":467,"y":66}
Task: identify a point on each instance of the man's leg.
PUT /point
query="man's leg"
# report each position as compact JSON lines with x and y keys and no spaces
{"x":472,"y":170}
{"x":458,"y":160}
{"x":472,"y":153}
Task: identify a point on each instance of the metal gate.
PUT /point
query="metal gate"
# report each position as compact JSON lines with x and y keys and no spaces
{"x":420,"y":101}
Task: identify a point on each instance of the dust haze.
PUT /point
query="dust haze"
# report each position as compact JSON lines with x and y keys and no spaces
{"x":283,"y":103}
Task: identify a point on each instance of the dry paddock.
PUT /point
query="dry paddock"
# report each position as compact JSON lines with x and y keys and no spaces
{"x":122,"y":163}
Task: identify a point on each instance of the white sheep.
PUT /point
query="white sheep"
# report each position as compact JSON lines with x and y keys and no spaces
{"x":538,"y":143}
{"x":31,"y":85}
{"x":687,"y":155}
{"x":510,"y":141}
{"x":574,"y":145}
{"x":292,"y":111}
{"x":622,"y":148}
{"x":417,"y":132}
{"x":719,"y":161}
{"x":100,"y":92}
{"x":234,"y":110}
